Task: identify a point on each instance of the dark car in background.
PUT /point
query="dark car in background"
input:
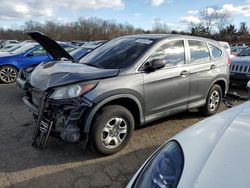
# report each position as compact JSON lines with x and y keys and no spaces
{"x":240,"y":67}
{"x":237,"y":50}
{"x":127,"y":82}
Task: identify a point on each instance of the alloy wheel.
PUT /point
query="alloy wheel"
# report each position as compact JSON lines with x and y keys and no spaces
{"x":214,"y":100}
{"x":8,"y":74}
{"x":114,"y":132}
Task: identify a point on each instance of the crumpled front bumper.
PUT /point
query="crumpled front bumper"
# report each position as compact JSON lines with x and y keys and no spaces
{"x":76,"y":106}
{"x":22,"y":79}
{"x":31,"y":106}
{"x":65,"y":117}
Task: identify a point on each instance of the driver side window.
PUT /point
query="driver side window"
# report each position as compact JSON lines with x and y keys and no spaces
{"x":39,"y":51}
{"x":172,"y":52}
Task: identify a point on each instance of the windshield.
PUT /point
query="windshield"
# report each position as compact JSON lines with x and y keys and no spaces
{"x":245,"y":52}
{"x":118,"y":53}
{"x":22,"y":49}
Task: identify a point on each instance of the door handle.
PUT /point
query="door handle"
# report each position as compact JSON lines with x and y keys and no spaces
{"x":213,"y":67}
{"x":184,"y":73}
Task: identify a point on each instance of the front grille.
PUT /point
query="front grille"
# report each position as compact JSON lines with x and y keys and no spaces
{"x":240,"y":68}
{"x":36,"y":97}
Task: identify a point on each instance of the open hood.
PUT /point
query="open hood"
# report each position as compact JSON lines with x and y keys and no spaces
{"x":51,"y":46}
{"x":53,"y":74}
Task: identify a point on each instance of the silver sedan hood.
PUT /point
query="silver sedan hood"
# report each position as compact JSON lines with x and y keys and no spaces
{"x":216,"y":150}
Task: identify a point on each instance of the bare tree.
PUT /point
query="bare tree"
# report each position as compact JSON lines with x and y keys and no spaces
{"x":160,"y":27}
{"x":199,"y":30}
{"x":243,"y":30}
{"x":213,"y":17}
{"x":208,"y":17}
{"x":222,"y":20}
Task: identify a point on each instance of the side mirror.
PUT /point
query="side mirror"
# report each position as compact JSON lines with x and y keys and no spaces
{"x":29,"y":54}
{"x":155,"y":64}
{"x":248,"y":87}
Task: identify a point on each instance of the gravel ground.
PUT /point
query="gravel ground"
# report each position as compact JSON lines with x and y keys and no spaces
{"x":67,"y":165}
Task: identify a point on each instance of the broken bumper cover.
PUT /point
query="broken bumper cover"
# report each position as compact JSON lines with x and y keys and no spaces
{"x":22,"y":80}
{"x":62,"y":118}
{"x":31,"y":106}
{"x":77,"y":106}
{"x":20,"y":83}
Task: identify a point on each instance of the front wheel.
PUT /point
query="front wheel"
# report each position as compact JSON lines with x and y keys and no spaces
{"x":8,"y":74}
{"x":113,"y":126}
{"x":213,"y":101}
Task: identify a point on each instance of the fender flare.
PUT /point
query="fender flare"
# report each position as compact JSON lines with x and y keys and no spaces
{"x":89,"y":116}
{"x":216,"y":80}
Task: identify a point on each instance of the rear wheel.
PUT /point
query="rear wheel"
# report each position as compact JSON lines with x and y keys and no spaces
{"x":112,"y":128}
{"x":213,"y":101}
{"x":8,"y":74}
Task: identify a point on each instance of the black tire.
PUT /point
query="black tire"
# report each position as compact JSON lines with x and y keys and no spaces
{"x":103,"y":119}
{"x":8,"y":78}
{"x":207,"y":109}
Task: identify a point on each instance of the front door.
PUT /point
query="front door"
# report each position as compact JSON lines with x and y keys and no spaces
{"x":166,"y":90}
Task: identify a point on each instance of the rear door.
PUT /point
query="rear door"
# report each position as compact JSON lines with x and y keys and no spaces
{"x":167,"y":88}
{"x":203,"y":70}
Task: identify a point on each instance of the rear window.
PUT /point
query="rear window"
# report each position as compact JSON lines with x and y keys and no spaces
{"x":216,"y":52}
{"x":199,"y":52}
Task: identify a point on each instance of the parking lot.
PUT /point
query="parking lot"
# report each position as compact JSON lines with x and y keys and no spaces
{"x":68,"y":165}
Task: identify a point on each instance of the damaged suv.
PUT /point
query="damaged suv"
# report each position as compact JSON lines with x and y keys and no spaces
{"x":127,"y":82}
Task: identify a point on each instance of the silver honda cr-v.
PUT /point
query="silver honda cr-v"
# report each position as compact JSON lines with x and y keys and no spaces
{"x":127,"y":82}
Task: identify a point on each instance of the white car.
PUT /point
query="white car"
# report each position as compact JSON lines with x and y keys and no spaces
{"x":8,"y":44}
{"x":214,"y":153}
{"x":227,"y":47}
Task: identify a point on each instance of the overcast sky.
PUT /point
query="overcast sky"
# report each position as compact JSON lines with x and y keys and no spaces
{"x":139,"y":13}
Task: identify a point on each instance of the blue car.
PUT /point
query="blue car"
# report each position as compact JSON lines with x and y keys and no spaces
{"x":29,"y":54}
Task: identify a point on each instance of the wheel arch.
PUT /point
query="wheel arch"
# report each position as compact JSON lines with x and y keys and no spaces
{"x":10,"y":65}
{"x":130,"y":102}
{"x":222,"y":82}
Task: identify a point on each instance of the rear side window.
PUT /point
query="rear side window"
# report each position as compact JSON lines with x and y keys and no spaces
{"x":172,"y":52}
{"x":199,"y":52}
{"x":216,"y":52}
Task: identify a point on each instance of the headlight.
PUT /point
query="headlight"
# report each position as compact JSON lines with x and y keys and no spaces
{"x":72,"y":91}
{"x":164,"y":169}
